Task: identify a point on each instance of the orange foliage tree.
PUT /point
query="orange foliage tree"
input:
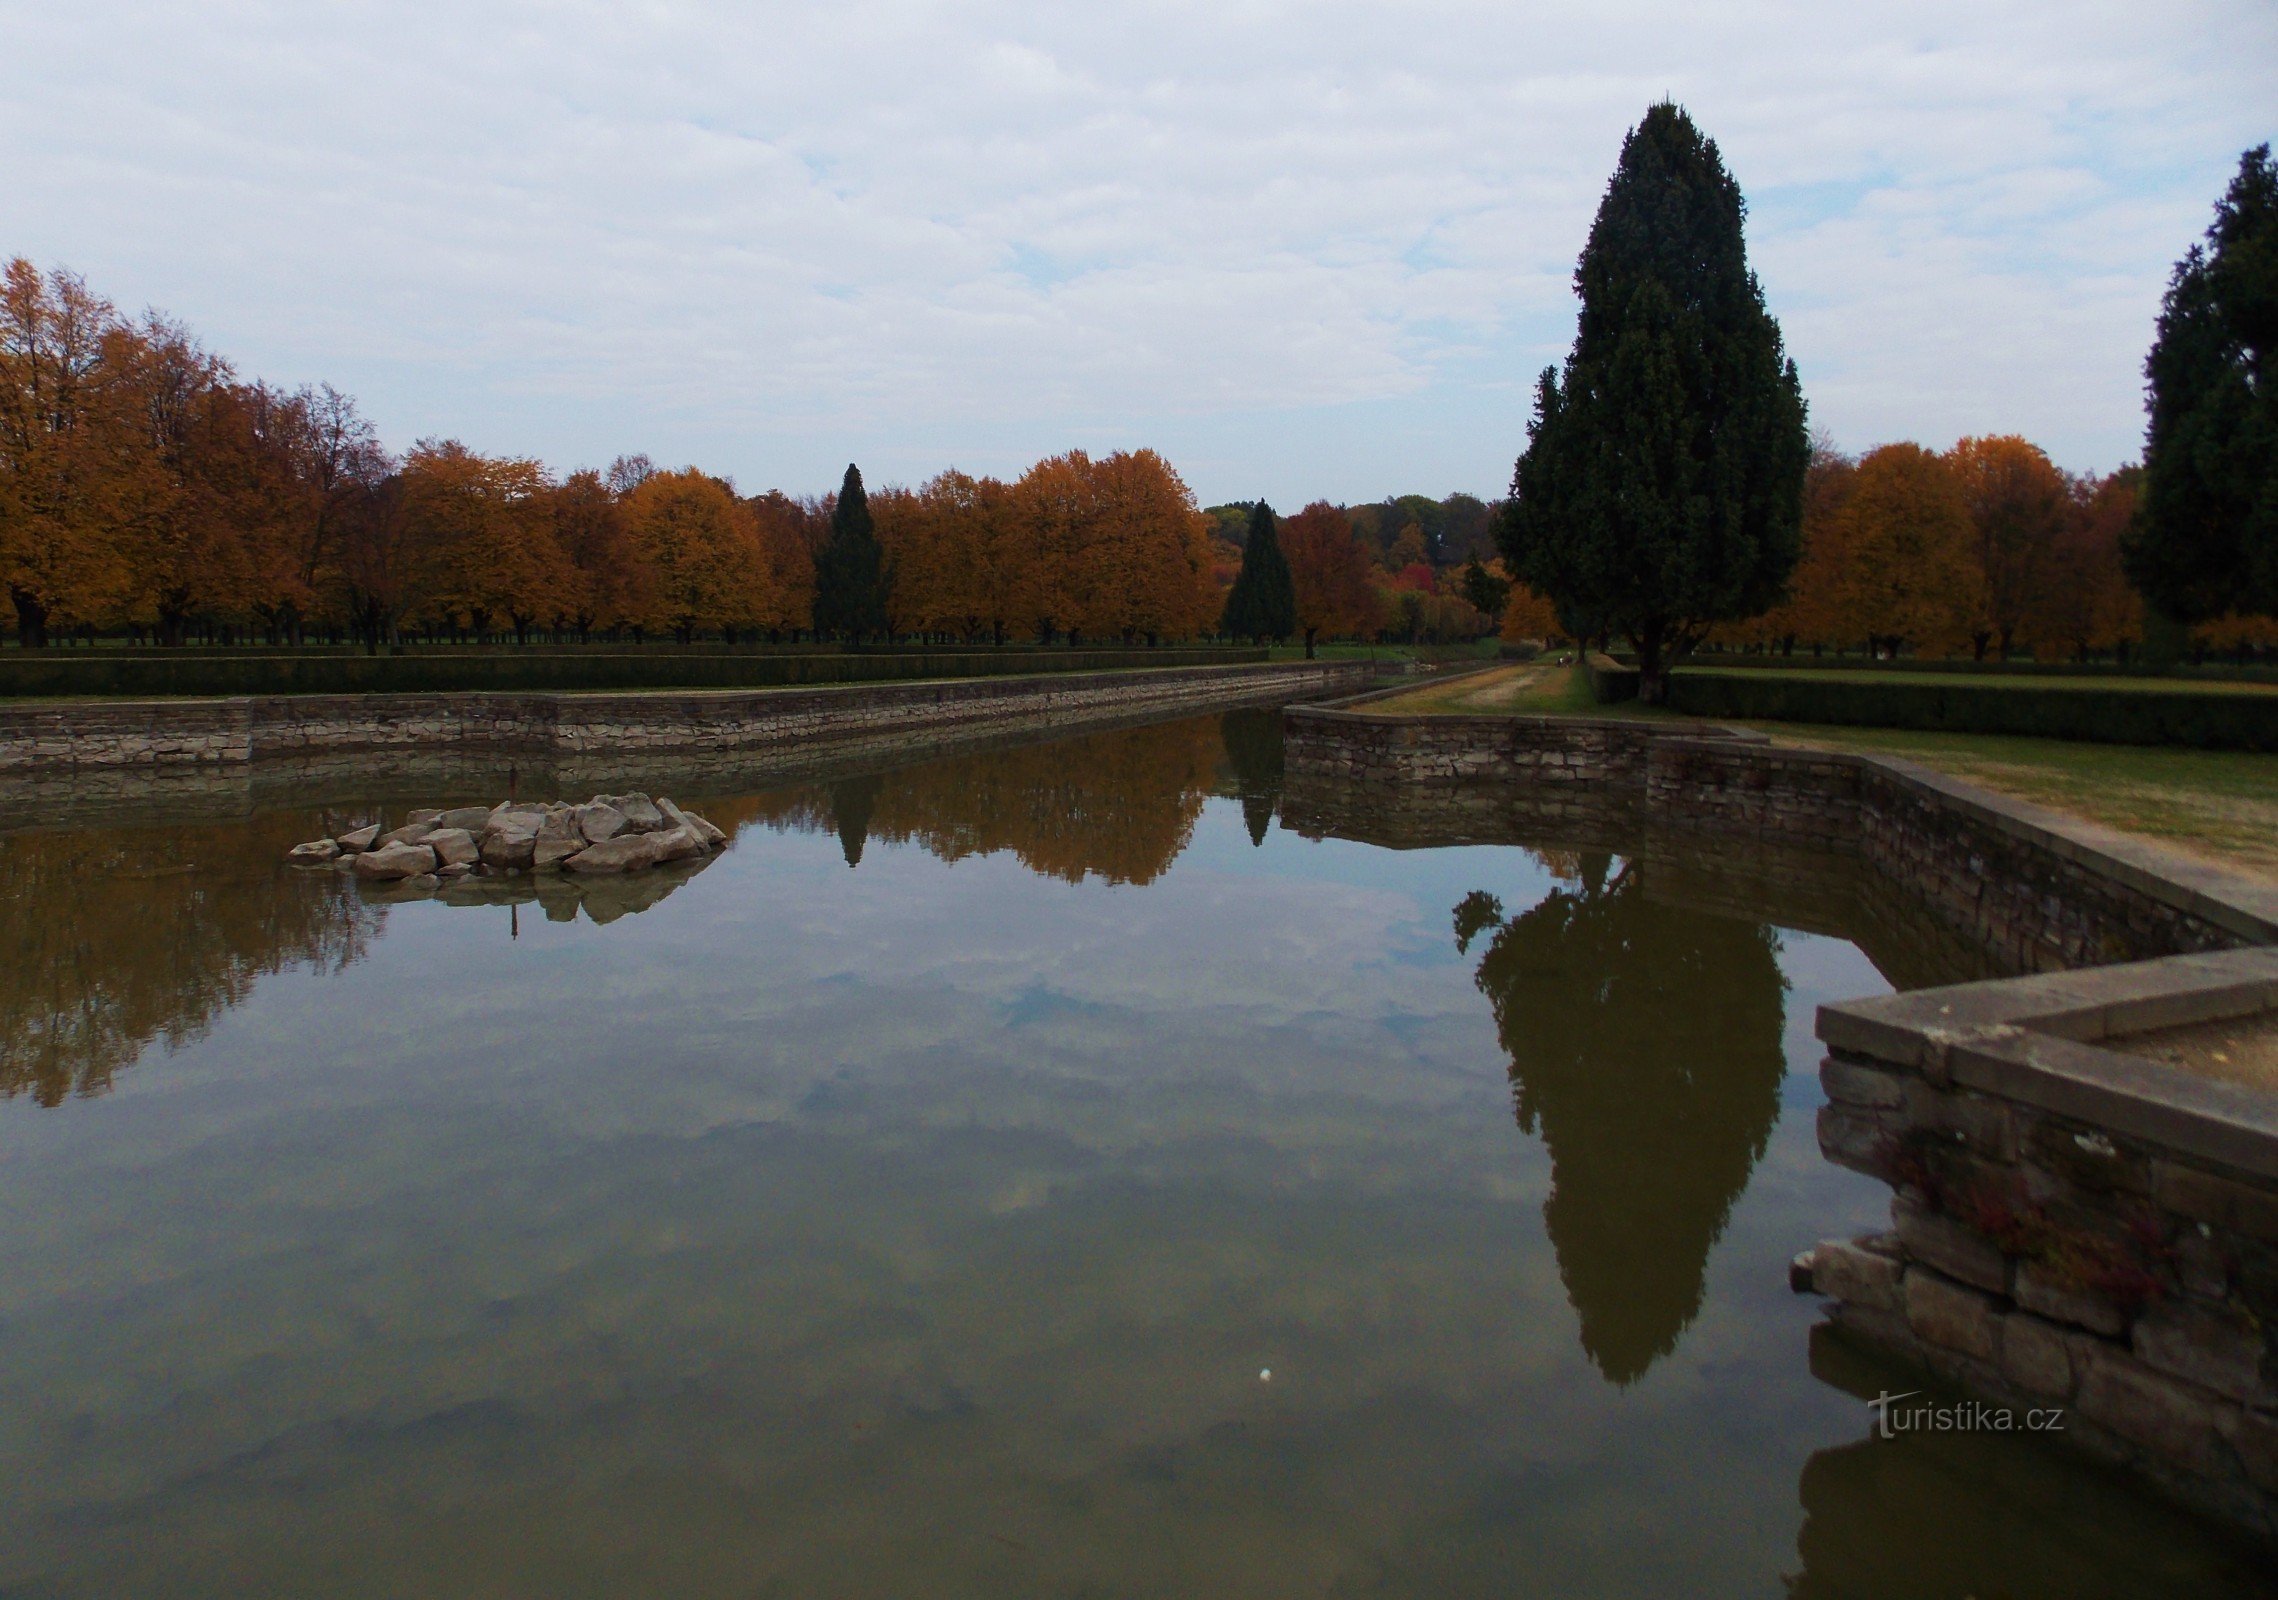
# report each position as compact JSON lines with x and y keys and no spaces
{"x":1330,"y":572}
{"x":1905,"y":550}
{"x":701,"y":546}
{"x":2019,"y":506}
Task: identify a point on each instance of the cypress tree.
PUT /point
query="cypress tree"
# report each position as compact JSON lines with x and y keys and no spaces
{"x":1263,"y":602}
{"x":2205,"y":540}
{"x":850,"y":583}
{"x":1661,"y":488}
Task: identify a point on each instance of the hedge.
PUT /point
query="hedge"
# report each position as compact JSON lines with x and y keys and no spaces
{"x":2209,"y":720}
{"x":1611,"y":681}
{"x":58,"y":672}
{"x":1805,"y":661}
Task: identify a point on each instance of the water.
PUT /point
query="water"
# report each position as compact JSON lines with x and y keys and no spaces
{"x":1036,"y":1172}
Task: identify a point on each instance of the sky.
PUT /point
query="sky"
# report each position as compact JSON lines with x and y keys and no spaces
{"x":1307,"y":250}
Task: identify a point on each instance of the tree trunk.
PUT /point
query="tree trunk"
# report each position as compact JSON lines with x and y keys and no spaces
{"x":31,"y":619}
{"x":1652,"y":669}
{"x":1309,"y":632}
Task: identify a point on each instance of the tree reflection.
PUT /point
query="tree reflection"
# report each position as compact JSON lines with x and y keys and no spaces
{"x":113,"y":939}
{"x":1254,"y":764}
{"x":1118,"y":806}
{"x":1645,"y":1045}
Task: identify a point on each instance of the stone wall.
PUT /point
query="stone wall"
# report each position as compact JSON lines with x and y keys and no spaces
{"x":55,"y":738}
{"x":2074,"y":1228}
{"x":2038,"y":891}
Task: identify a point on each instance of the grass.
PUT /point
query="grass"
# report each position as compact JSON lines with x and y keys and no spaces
{"x":2017,"y":684}
{"x":2220,"y":805}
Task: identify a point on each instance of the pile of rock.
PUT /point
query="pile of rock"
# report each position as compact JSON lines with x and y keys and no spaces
{"x":608,"y":834}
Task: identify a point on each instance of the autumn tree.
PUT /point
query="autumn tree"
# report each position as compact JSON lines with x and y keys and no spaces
{"x":484,"y":531}
{"x":61,"y":402}
{"x":700,"y":546}
{"x":1263,"y":601}
{"x":2019,"y":504}
{"x":790,"y":532}
{"x":2205,"y":540}
{"x":1148,"y":551}
{"x":604,"y":581}
{"x":1329,"y":574}
{"x":1907,"y":553}
{"x":2087,"y":604}
{"x":1660,"y":485}
{"x":850,"y":576}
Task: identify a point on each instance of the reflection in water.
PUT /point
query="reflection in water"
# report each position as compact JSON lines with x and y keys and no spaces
{"x":928,"y":1232}
{"x":1645,"y":1041}
{"x":112,"y":940}
{"x":1118,"y":806}
{"x":1254,"y":759}
{"x":1991,"y":1500}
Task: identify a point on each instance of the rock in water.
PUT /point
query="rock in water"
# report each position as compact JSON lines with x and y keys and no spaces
{"x":599,"y":820}
{"x":314,"y":854}
{"x":409,"y":833}
{"x":626,"y":853}
{"x":641,"y":814}
{"x":454,"y":847}
{"x":471,"y":818}
{"x":360,"y":838}
{"x":395,"y":861}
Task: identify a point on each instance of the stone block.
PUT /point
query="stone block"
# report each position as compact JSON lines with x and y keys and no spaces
{"x":1951,"y":1316}
{"x":1850,"y":1272}
{"x":2037,"y":1290}
{"x":2178,"y":1424}
{"x":1848,"y":1083}
{"x":1941,"y":1242}
{"x":2218,"y":1348}
{"x":2036,"y":1355}
{"x":2224,"y":1202}
{"x":1854,"y":1139}
{"x":2090,"y":1158}
{"x":2253,"y":1438}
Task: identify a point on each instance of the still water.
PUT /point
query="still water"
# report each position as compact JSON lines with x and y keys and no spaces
{"x":1062,"y":1170}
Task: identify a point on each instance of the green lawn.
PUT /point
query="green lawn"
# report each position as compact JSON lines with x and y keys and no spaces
{"x":2020,"y":684}
{"x":2219,"y":804}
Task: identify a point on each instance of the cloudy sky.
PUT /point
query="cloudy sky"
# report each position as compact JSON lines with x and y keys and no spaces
{"x":1306,"y":249}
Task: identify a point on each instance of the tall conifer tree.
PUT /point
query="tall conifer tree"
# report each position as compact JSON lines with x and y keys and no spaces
{"x":850,"y":580}
{"x":1662,"y":482}
{"x":2205,"y":539}
{"x":1263,"y":602}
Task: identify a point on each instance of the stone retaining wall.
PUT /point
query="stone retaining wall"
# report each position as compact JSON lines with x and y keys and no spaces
{"x":2039,"y":891}
{"x":2074,"y":1227}
{"x":86,"y":736}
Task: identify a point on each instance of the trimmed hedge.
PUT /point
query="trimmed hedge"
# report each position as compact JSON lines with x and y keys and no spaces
{"x":2200,"y":718}
{"x":46,"y":673}
{"x":1805,"y":661}
{"x":1611,"y":681}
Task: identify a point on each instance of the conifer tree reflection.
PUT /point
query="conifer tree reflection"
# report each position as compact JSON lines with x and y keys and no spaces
{"x":1118,"y":806}
{"x":1645,"y":1045}
{"x":852,"y":802}
{"x":1253,"y":761}
{"x":111,"y":939}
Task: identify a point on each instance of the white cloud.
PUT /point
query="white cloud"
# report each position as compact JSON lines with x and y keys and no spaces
{"x":1309,"y":248}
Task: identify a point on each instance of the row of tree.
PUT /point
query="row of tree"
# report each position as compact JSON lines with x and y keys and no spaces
{"x":1669,"y":493}
{"x":144,"y":487}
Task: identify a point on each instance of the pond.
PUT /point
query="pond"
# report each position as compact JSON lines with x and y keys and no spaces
{"x":1065,"y":1168}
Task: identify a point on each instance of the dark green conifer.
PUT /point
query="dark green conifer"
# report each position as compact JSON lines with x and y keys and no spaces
{"x":1661,"y":488}
{"x":850,"y":580}
{"x":2205,"y":541}
{"x":1263,"y":602}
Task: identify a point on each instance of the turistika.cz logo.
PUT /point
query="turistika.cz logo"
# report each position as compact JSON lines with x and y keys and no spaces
{"x":1893,"y":1417}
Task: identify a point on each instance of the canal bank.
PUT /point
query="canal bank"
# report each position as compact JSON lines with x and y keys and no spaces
{"x":2078,"y":1221}
{"x":46,"y":738}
